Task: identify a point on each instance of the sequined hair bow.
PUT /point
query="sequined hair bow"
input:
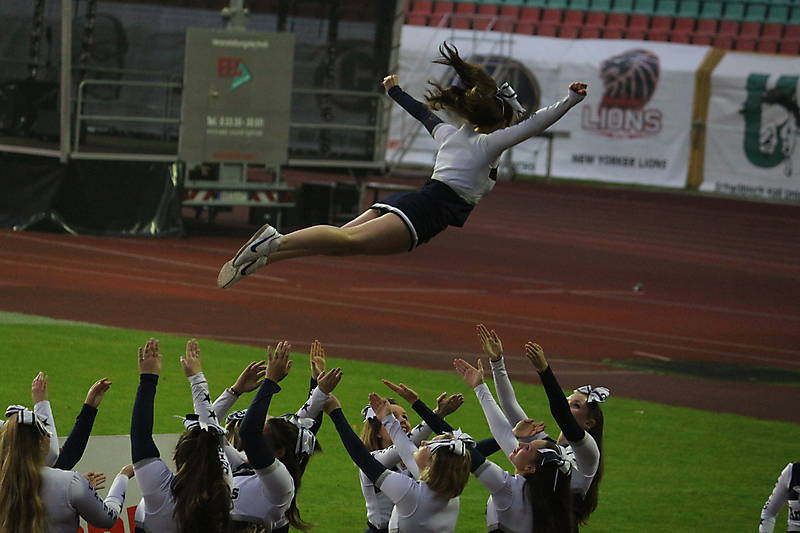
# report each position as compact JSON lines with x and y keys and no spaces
{"x":459,"y":444}
{"x":26,"y":417}
{"x":595,"y":394}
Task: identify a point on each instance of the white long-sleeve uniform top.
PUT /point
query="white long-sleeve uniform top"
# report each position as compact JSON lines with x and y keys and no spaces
{"x":508,"y":508}
{"x":67,"y":495}
{"x":465,"y":158}
{"x":787,"y":489}
{"x":155,"y":512}
{"x":585,"y":452}
{"x":379,"y":506}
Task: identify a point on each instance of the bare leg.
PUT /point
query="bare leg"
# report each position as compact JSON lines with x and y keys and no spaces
{"x":386,"y":234}
{"x":366,"y":216}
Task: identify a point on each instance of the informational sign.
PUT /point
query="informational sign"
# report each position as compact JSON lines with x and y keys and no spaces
{"x":236,"y":97}
{"x":633,"y":127}
{"x":753,"y":126}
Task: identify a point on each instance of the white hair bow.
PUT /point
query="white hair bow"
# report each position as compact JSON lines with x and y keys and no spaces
{"x":27,"y":417}
{"x":192,"y":421}
{"x":595,"y":394}
{"x":508,"y":95}
{"x":236,"y":415}
{"x":563,"y":464}
{"x":368,"y":413}
{"x":459,"y":444}
{"x":306,"y":440}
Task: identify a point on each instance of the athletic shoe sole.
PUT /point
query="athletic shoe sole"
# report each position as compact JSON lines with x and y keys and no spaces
{"x":243,"y":255}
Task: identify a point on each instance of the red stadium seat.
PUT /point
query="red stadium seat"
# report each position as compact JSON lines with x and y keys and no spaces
{"x":681,"y":37}
{"x":569,"y":31}
{"x":420,"y":12}
{"x":552,"y":16}
{"x":745,"y":44}
{"x":683,"y":25}
{"x":512,"y":13}
{"x":658,"y":35}
{"x":728,"y":28}
{"x":636,"y":34}
{"x":768,"y":46}
{"x":661,"y":23}
{"x":750,"y":29}
{"x":791,"y":32}
{"x":547,"y":30}
{"x":638,"y":22}
{"x":790,"y":47}
{"x":612,"y":33}
{"x":616,"y":21}
{"x":772,"y":30}
{"x":463,"y":16}
{"x":440,"y":9}
{"x":701,"y":39}
{"x":486,"y":12}
{"x":528,"y":20}
{"x":722,"y":41}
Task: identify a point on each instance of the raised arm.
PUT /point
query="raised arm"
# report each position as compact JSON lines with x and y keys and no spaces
{"x":255,"y":446}
{"x":142,"y":444}
{"x":776,"y":500}
{"x":505,"y":138}
{"x":405,"y":448}
{"x":78,"y":438}
{"x":434,"y":421}
{"x":249,"y":380}
{"x":493,"y":347}
{"x":42,"y":408}
{"x":413,"y":107}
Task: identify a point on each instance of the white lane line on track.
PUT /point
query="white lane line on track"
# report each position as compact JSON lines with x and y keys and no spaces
{"x":325,"y":299}
{"x":652,"y":355}
{"x":418,"y":289}
{"x":130,"y":255}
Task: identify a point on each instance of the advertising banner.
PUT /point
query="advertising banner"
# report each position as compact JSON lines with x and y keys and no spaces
{"x":753,"y":126}
{"x":633,"y":127}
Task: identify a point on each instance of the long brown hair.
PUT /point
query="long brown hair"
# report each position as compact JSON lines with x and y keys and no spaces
{"x":448,"y":473}
{"x":551,"y":498}
{"x":202,"y":496}
{"x":586,"y":505}
{"x":371,"y":432}
{"x":21,"y":460}
{"x":282,"y":434}
{"x":476,"y":99}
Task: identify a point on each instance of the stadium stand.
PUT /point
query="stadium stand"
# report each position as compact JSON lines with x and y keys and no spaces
{"x":743,"y":25}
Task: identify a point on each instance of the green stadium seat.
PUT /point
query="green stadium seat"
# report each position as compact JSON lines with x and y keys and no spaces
{"x":794,"y":17}
{"x":622,"y":6}
{"x":536,"y":3}
{"x":583,"y":5}
{"x":711,"y":10}
{"x":644,"y":7}
{"x":689,"y":8}
{"x":667,"y":7}
{"x":557,"y":4}
{"x":601,"y":5}
{"x":778,"y":14}
{"x":733,"y":11}
{"x":755,"y":12}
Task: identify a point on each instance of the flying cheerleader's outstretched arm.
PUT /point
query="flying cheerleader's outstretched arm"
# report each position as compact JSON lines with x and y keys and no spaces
{"x":413,"y":107}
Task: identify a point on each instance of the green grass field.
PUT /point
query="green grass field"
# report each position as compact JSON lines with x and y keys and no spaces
{"x":668,"y":469}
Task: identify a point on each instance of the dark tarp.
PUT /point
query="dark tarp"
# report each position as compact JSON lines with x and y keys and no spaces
{"x":121,"y":198}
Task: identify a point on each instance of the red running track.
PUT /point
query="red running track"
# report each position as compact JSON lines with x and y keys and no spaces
{"x":720,"y":281}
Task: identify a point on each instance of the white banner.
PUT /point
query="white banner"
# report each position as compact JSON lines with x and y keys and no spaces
{"x":753,"y":125}
{"x":634,"y":126}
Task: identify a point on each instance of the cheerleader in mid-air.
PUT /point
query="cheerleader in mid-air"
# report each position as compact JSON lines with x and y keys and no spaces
{"x":465,"y":170}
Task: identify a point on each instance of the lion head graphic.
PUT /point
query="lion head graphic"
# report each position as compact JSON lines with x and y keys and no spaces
{"x":630,"y":79}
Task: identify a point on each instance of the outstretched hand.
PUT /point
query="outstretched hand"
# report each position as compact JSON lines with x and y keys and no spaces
{"x":472,"y":375}
{"x":39,"y":388}
{"x":403,"y":391}
{"x":191,"y":362}
{"x":578,"y":87}
{"x":150,"y":358}
{"x":279,"y":362}
{"x":379,"y":405}
{"x":96,"y":479}
{"x":96,"y":392}
{"x":317,"y":359}
{"x":448,"y":404}
{"x":250,"y":378}
{"x":490,"y":343}
{"x":527,"y":428}
{"x":328,"y":380}
{"x":535,"y":355}
{"x":390,"y":81}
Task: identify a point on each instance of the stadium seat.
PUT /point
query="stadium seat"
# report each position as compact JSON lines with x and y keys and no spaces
{"x":552,"y":16}
{"x":601,"y":5}
{"x":546,"y":29}
{"x":768,"y":46}
{"x":703,"y":39}
{"x":591,"y":33}
{"x":658,"y":35}
{"x":790,"y":47}
{"x":486,"y":12}
{"x":528,"y":20}
{"x":557,"y":4}
{"x":750,"y":29}
{"x":573,"y":17}
{"x":667,"y":7}
{"x":613,"y":33}
{"x":420,"y":12}
{"x":595,"y":19}
{"x":733,"y":10}
{"x":644,"y":7}
{"x":794,"y":17}
{"x":638,"y":22}
{"x":724,"y":42}
{"x":689,"y":9}
{"x":582,"y":5}
{"x":513,"y":14}
{"x":661,"y":23}
{"x":771,"y":30}
{"x":745,"y":44}
{"x":683,"y":25}
{"x":464,"y":15}
{"x":636,"y":34}
{"x":755,"y":12}
{"x":777,"y":13}
{"x":569,"y":31}
{"x":711,"y":10}
{"x":705,"y":28}
{"x":622,"y":6}
{"x":440,"y":10}
{"x":616,"y":21}
{"x":791,"y":32}
{"x":681,"y":37}
{"x":728,"y":28}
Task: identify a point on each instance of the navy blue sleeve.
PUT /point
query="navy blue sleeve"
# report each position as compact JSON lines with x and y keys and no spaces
{"x":434,"y":421}
{"x":142,"y":444}
{"x":476,"y":459}
{"x":415,"y":108}
{"x":75,"y":445}
{"x":251,"y":430}
{"x":559,"y":407}
{"x":487,"y":447}
{"x":358,"y":452}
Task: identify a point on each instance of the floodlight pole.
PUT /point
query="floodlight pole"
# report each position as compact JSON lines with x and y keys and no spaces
{"x":235,"y":16}
{"x":66,"y":79}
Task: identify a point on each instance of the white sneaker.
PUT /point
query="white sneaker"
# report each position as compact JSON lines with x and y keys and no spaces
{"x":229,"y":274}
{"x":260,"y":245}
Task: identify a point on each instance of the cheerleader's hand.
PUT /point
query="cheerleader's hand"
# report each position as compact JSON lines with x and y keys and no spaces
{"x":39,"y":388}
{"x":250,"y":378}
{"x":96,"y":392}
{"x":490,"y":343}
{"x":150,"y":358}
{"x":403,"y":391}
{"x":448,"y":404}
{"x":96,"y":479}
{"x":578,"y":87}
{"x":472,"y":375}
{"x":379,"y":405}
{"x":390,"y":81}
{"x":127,"y":470}
{"x":527,"y":428}
{"x":191,"y":362}
{"x":279,"y":362}
{"x":535,"y":355}
{"x":317,"y":359}
{"x":328,"y":380}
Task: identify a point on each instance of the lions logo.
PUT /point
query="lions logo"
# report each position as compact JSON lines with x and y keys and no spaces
{"x":630,"y":79}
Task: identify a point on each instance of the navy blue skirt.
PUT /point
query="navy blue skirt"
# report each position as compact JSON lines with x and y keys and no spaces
{"x":427,"y":211}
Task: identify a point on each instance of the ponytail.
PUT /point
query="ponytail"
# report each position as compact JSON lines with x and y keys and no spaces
{"x":21,"y":460}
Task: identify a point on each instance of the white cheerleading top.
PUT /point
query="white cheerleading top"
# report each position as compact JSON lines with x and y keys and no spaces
{"x":66,"y":495}
{"x":465,"y":158}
